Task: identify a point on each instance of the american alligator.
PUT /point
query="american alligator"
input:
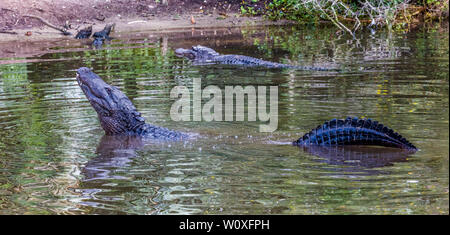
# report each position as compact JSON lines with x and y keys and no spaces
{"x":84,"y":33}
{"x":205,"y":55}
{"x":99,"y":37}
{"x":104,"y":34}
{"x":118,"y":116}
{"x":116,"y":113}
{"x":354,"y":131}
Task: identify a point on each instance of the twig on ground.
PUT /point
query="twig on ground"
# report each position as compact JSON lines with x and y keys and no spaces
{"x":6,"y":9}
{"x":64,"y":31}
{"x":7,"y":32}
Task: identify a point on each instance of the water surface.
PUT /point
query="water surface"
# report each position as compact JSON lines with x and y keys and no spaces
{"x":55,"y":159}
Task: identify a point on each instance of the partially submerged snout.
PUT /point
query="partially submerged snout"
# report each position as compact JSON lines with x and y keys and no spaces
{"x":197,"y":53}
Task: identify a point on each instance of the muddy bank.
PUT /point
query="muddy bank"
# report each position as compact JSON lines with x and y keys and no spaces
{"x":76,"y":12}
{"x":25,"y":19}
{"x":22,"y":36}
{"x":19,"y":47}
{"x":131,"y":24}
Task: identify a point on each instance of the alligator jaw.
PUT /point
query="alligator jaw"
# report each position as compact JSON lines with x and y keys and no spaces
{"x":116,"y":112}
{"x":181,"y":52}
{"x":86,"y":82}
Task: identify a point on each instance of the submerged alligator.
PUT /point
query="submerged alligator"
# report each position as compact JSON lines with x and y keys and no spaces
{"x":118,"y":116}
{"x":205,"y":55}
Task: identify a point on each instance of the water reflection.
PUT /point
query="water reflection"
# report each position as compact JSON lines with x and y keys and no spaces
{"x":113,"y":152}
{"x":358,"y":159}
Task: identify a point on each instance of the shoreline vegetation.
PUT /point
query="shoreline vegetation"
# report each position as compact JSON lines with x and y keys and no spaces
{"x":25,"y":18}
{"x":352,"y":15}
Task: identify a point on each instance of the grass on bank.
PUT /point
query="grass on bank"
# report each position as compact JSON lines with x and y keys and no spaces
{"x":351,"y":15}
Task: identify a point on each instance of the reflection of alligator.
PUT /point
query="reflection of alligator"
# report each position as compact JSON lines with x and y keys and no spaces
{"x":357,"y":157}
{"x":112,"y":152}
{"x":118,"y":116}
{"x":205,"y":55}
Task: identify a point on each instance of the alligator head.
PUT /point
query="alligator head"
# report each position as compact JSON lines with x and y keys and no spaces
{"x":197,"y":53}
{"x":115,"y":111}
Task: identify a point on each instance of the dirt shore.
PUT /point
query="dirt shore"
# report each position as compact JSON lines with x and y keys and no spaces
{"x":44,"y":39}
{"x":128,"y":15}
{"x":22,"y":36}
{"x":134,"y":24}
{"x":76,"y":12}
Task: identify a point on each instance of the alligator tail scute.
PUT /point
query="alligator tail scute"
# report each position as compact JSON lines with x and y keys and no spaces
{"x":354,"y":131}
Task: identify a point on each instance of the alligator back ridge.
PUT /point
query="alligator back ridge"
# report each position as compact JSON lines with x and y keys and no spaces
{"x":354,"y":131}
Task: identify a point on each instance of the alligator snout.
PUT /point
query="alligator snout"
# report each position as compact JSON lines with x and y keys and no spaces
{"x":181,"y":52}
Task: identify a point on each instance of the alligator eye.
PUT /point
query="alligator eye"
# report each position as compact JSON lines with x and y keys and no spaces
{"x":109,"y":91}
{"x":139,"y":118}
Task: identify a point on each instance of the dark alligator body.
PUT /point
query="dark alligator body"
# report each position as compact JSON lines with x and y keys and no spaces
{"x":104,"y":34}
{"x":84,"y":33}
{"x":205,"y":55}
{"x":354,"y":131}
{"x":118,"y":116}
{"x":99,"y":37}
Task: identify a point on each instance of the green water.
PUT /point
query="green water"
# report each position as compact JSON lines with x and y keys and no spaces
{"x":55,"y":159}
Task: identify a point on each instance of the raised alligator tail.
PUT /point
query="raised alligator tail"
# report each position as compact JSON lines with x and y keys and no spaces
{"x":354,"y":131}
